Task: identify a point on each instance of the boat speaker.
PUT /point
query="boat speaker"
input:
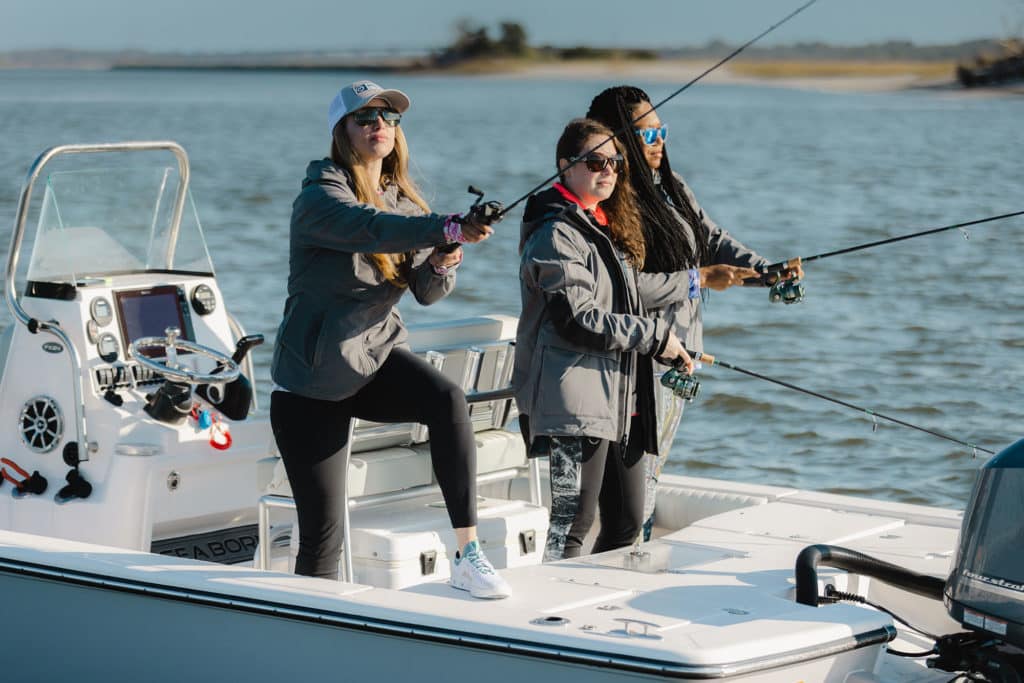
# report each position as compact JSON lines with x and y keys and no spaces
{"x":41,"y":424}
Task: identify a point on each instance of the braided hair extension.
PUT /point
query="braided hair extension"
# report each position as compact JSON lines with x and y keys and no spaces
{"x":668,"y":250}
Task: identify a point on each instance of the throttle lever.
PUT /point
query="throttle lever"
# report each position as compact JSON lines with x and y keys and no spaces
{"x":243,"y":345}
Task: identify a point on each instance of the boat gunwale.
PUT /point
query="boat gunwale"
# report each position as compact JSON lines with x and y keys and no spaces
{"x":435,"y":634}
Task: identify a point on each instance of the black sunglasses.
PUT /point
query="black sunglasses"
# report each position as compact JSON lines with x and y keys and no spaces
{"x":367,"y":116}
{"x":596,"y":164}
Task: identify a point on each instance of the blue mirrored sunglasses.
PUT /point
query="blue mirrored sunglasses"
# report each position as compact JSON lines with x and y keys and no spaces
{"x":651,"y":135}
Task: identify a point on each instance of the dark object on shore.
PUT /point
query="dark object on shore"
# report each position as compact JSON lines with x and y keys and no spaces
{"x":987,"y":70}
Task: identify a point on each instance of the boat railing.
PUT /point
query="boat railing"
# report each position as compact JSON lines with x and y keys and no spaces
{"x":18,"y":236}
{"x":273,"y":501}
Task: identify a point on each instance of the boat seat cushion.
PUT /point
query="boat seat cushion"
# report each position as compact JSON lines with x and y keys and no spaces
{"x":679,"y":507}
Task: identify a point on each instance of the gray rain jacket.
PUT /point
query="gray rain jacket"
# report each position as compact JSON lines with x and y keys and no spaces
{"x":684,"y":314}
{"x":582,"y":317}
{"x":340,"y":321}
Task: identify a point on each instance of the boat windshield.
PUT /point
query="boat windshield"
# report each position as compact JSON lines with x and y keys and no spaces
{"x":110,"y":221}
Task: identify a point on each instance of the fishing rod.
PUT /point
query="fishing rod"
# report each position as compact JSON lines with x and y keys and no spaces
{"x":500,"y":213}
{"x":686,"y":387}
{"x":791,"y":291}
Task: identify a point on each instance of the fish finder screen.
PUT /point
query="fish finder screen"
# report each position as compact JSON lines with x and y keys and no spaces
{"x":149,"y":312}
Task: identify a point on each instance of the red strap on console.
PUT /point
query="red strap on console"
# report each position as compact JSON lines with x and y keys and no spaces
{"x":6,"y":475}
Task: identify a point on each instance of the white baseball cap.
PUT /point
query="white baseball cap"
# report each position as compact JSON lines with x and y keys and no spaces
{"x":359,"y":94}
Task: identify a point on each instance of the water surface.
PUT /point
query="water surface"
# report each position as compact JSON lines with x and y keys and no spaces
{"x":925,"y":330}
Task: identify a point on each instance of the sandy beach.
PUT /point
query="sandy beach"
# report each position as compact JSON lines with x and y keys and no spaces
{"x":866,"y":78}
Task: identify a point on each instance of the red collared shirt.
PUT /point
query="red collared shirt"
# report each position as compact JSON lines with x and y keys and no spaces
{"x":597,"y":213}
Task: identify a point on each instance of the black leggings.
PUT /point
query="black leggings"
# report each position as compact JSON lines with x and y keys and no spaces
{"x":588,"y":475}
{"x":310,"y":436}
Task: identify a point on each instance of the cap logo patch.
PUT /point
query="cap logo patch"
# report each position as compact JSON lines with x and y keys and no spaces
{"x":364,"y":86}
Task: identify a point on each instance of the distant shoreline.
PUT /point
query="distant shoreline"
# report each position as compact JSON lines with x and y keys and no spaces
{"x":830,"y":75}
{"x":827,"y":76}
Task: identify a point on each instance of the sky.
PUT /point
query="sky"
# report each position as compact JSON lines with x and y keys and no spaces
{"x":262,"y":25}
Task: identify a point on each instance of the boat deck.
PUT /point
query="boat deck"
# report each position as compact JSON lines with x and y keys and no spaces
{"x":711,"y":600}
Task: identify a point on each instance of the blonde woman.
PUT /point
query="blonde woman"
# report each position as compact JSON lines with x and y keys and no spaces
{"x":361,"y":236}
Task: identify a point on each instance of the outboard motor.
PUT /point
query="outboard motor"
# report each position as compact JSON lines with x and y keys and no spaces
{"x":985,"y":592}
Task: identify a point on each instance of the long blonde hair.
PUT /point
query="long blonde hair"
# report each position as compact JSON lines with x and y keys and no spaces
{"x":394,"y":170}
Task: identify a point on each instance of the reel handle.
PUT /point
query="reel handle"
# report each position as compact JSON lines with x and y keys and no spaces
{"x":487,"y":213}
{"x":771,"y":274}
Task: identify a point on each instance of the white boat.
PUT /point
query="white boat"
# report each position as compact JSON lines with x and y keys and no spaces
{"x":141,"y":558}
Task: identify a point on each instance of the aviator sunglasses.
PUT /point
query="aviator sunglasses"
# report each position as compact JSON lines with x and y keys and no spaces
{"x":367,"y":116}
{"x":651,"y":135}
{"x":596,"y":164}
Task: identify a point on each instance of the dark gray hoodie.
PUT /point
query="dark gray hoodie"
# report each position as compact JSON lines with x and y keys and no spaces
{"x":340,"y":321}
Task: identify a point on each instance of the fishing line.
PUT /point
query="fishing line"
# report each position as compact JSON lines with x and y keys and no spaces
{"x":674,"y":377}
{"x":776,"y":268}
{"x":725,"y":59}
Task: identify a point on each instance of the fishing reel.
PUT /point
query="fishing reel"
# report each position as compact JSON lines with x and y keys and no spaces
{"x":682,"y":385}
{"x":487,"y":213}
{"x":787,"y":292}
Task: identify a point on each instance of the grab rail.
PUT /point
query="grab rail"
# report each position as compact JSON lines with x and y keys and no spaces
{"x":18,"y":235}
{"x":25,"y":200}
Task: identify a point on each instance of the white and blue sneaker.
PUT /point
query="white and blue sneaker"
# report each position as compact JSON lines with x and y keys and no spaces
{"x":471,"y":571}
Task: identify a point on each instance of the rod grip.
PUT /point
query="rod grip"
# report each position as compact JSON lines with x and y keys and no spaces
{"x":783,"y":265}
{"x":701,"y":356}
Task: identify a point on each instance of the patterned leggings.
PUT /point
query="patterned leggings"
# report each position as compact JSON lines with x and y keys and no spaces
{"x":587,"y":474}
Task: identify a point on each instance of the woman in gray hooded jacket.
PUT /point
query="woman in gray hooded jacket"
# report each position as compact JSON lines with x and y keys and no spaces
{"x":680,"y":238}
{"x":584,"y":345}
{"x":361,"y":236}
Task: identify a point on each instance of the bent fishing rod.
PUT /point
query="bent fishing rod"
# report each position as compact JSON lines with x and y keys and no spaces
{"x":496,"y":212}
{"x":686,"y":387}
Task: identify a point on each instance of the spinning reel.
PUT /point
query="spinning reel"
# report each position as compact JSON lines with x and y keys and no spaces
{"x":487,"y":213}
{"x":682,"y":385}
{"x":787,"y":291}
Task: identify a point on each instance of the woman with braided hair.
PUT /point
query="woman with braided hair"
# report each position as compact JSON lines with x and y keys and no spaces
{"x":678,"y":236}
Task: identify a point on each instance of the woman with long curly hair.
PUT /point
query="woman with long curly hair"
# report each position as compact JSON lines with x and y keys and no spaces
{"x":361,"y":236}
{"x":584,"y":344}
{"x":678,"y":236}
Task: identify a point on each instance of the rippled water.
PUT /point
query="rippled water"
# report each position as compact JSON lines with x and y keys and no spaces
{"x":926,"y":330}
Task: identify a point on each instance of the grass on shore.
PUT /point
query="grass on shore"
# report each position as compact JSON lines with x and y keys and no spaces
{"x":761,"y":69}
{"x":842,"y":69}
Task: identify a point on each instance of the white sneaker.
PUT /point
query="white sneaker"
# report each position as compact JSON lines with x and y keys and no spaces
{"x":471,"y":571}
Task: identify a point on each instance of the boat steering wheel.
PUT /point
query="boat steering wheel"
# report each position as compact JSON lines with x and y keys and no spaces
{"x":168,"y":367}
